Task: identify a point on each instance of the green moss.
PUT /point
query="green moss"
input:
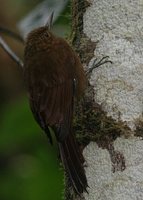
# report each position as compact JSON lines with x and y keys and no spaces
{"x":83,"y":46}
{"x":91,"y":123}
{"x":139,"y":128}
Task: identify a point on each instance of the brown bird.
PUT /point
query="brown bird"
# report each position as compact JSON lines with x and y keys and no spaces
{"x":54,"y":77}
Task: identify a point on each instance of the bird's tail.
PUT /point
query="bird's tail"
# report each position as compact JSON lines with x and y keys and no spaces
{"x":73,"y":160}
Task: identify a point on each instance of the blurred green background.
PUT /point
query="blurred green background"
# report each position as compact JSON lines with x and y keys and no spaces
{"x":29,"y":165}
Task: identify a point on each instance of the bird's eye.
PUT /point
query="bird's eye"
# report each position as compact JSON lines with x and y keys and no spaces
{"x":46,"y":34}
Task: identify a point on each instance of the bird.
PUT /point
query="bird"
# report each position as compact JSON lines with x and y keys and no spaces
{"x":55,"y":79}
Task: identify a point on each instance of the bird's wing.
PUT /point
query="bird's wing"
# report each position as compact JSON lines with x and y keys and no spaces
{"x":52,"y":104}
{"x":49,"y":78}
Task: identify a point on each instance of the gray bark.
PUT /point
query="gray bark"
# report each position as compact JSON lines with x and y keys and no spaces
{"x":115,"y":170}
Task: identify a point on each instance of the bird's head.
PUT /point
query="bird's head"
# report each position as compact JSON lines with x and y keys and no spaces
{"x":38,"y":38}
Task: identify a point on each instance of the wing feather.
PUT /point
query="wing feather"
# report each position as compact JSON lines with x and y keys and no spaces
{"x":53,"y":106}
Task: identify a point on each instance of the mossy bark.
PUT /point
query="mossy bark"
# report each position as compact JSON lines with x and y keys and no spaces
{"x":91,"y":123}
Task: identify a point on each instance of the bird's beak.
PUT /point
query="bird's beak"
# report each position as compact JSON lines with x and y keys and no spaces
{"x":50,"y":20}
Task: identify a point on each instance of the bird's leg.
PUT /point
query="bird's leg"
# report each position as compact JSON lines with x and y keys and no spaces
{"x":98,"y":63}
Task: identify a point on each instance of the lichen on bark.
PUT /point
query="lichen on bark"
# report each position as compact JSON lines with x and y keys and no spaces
{"x":91,"y":123}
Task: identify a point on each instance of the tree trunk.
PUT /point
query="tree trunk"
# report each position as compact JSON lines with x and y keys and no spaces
{"x":111,"y":111}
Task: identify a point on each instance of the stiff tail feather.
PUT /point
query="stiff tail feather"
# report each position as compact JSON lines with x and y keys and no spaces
{"x":73,"y":160}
